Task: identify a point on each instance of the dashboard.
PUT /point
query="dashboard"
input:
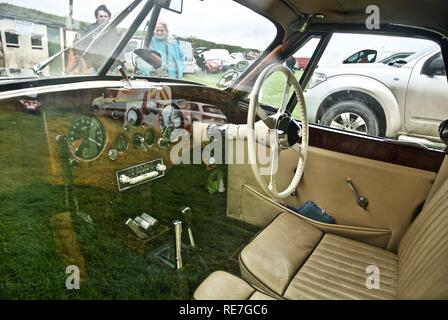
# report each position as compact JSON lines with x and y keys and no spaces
{"x":119,"y":138}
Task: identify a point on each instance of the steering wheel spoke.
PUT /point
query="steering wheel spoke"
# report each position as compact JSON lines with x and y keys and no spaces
{"x":286,"y":96}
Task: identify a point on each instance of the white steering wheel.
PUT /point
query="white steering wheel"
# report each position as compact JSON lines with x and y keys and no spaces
{"x":285,"y":132}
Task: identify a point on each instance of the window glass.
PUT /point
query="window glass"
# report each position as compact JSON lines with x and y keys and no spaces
{"x":34,"y":31}
{"x":402,"y":96}
{"x":36,"y":42}
{"x":12,"y":39}
{"x":203,"y":44}
{"x":273,"y":90}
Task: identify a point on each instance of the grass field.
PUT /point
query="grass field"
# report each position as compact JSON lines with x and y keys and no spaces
{"x":36,"y":245}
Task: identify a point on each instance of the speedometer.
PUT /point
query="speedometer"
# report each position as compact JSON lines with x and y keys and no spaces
{"x":87,"y":138}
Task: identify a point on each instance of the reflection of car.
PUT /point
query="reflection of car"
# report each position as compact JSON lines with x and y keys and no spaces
{"x":114,"y":102}
{"x":385,"y":97}
{"x":195,"y":111}
{"x":29,"y":103}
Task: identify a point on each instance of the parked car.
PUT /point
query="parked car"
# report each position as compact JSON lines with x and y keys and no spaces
{"x":195,"y":111}
{"x":302,"y":63}
{"x":382,"y":100}
{"x":363,"y":56}
{"x":395,"y":57}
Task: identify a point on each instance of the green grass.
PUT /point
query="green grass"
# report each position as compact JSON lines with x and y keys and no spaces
{"x":209,"y":79}
{"x":118,"y":266}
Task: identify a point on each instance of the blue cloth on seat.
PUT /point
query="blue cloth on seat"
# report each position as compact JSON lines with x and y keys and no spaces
{"x":313,"y":211}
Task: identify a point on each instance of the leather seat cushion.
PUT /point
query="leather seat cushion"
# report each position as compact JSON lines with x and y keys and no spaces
{"x":274,"y":256}
{"x":221,"y":285}
{"x":337,"y":270}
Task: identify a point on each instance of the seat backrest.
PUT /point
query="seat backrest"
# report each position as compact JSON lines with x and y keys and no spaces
{"x":423,"y":252}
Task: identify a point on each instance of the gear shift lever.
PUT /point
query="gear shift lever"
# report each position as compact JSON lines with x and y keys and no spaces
{"x":186,"y":213}
{"x":178,"y":243}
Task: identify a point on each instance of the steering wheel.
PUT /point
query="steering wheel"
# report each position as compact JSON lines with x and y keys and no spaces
{"x":227,"y":79}
{"x":284,"y":131}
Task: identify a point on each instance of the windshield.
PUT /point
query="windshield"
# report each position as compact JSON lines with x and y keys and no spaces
{"x":79,"y":39}
{"x":202,"y":44}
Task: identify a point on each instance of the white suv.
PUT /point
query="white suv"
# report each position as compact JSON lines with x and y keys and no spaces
{"x":382,"y":100}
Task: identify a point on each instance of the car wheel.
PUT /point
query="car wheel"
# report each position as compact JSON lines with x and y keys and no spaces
{"x":354,"y":116}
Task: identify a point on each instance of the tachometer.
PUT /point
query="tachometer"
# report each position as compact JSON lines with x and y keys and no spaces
{"x":150,"y":137}
{"x":87,"y":138}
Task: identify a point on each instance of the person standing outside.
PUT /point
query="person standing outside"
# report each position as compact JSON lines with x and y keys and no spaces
{"x":102,"y":16}
{"x":173,"y":60}
{"x":99,"y":51}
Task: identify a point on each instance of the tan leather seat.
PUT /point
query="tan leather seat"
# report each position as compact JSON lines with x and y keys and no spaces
{"x":308,"y":264}
{"x":294,"y":260}
{"x":224,"y":286}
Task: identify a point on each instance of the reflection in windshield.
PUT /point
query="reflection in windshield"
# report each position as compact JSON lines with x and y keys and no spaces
{"x":78,"y":40}
{"x":47,"y":42}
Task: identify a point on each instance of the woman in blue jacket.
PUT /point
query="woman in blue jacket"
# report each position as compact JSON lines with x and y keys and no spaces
{"x":173,"y":60}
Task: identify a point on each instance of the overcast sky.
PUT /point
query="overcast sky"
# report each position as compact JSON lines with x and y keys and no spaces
{"x":225,"y":21}
{"x":222,"y":21}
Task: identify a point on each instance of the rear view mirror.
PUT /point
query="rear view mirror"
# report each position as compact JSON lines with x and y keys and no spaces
{"x":172,"y":5}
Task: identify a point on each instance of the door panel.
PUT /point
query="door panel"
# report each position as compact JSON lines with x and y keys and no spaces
{"x":395,"y":192}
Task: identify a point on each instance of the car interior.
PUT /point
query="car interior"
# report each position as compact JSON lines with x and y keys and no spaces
{"x":162,"y":188}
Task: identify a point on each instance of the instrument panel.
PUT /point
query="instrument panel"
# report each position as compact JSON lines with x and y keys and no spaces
{"x":122,"y":129}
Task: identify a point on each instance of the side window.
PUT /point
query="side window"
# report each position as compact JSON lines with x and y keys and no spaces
{"x":396,"y":97}
{"x":273,"y":89}
{"x":434,"y":66}
{"x":194,"y":107}
{"x":12,"y":39}
{"x":353,"y":58}
{"x":36,"y":42}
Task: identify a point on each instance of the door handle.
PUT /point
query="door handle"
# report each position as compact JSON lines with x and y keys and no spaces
{"x":363,"y":202}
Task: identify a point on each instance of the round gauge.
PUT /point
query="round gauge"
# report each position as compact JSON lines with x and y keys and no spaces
{"x":87,"y":138}
{"x":133,"y":117}
{"x":150,"y":137}
{"x":113,"y":154}
{"x":138,"y":141}
{"x":121,"y":143}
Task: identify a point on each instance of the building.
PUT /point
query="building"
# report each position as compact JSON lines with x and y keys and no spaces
{"x":28,"y":37}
